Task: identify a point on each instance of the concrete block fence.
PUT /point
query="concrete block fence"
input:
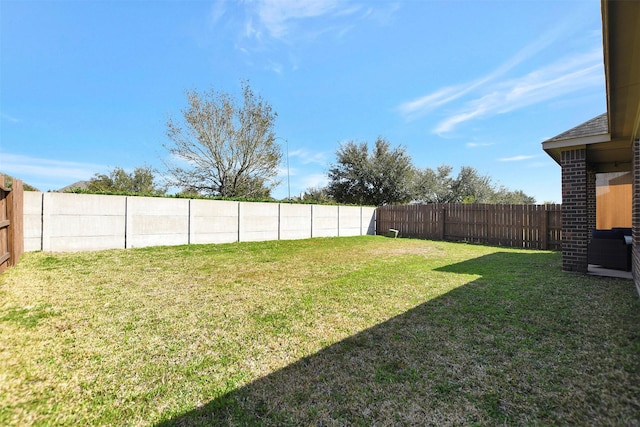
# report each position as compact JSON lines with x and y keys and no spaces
{"x":66,"y":222}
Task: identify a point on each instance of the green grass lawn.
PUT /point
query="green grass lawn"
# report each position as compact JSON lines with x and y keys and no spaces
{"x":341,"y":331}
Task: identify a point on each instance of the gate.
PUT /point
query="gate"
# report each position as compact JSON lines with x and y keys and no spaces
{"x":11,"y":223}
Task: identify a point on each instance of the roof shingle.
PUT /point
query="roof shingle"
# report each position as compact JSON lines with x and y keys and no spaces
{"x":597,"y":126}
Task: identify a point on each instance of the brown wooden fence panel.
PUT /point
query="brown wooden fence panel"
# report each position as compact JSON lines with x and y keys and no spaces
{"x":518,"y":226}
{"x":4,"y":225}
{"x":11,"y":223}
{"x":16,"y":215}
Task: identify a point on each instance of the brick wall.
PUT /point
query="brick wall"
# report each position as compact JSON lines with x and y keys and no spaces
{"x":575,"y":221}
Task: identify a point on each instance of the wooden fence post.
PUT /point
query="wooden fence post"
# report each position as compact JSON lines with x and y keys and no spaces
{"x":11,"y":223}
{"x":544,"y":234}
{"x":443,"y":222}
{"x":15,"y":205}
{"x":4,"y":226}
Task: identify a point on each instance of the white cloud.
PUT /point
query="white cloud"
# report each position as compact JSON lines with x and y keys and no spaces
{"x":9,"y":118}
{"x":486,"y":95}
{"x":271,"y":27}
{"x":450,"y":123}
{"x":34,"y":169}
{"x":427,"y":103}
{"x":383,"y":13}
{"x":424,"y":104}
{"x":217,"y":11}
{"x":283,"y":20}
{"x":314,"y":180}
{"x":274,"y":66}
{"x":250,"y":30}
{"x":556,"y":80}
{"x":516,"y":158}
{"x":283,"y":172}
{"x":479,"y":144}
{"x":278,"y":15}
{"x":306,"y":157}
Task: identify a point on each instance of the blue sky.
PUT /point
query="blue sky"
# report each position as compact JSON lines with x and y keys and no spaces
{"x":89,"y":86}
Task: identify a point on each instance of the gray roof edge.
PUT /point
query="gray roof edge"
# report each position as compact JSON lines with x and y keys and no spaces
{"x":575,"y":142}
{"x":598,"y":125}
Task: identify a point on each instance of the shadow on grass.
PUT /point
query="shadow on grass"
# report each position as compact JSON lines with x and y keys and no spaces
{"x":521,"y":344}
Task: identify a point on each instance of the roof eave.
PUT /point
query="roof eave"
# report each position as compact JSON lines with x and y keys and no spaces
{"x":555,"y":147}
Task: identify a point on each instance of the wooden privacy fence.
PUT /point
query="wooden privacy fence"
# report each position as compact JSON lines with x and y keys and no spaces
{"x":518,"y":226}
{"x":11,"y":223}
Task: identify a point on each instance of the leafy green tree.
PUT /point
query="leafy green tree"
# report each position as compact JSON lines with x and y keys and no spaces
{"x":318,"y":195}
{"x":140,"y":181}
{"x":386,"y":176}
{"x":508,"y":197}
{"x":434,"y":186}
{"x":468,"y":186}
{"x":226,"y":148}
{"x":382,"y":177}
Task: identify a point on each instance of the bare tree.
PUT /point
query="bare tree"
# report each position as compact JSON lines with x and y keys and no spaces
{"x":225,"y":148}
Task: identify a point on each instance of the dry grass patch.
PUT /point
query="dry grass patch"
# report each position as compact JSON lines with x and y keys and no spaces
{"x":348,"y":331}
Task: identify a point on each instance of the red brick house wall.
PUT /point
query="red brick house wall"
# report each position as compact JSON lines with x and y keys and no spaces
{"x":575,"y":218}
